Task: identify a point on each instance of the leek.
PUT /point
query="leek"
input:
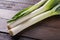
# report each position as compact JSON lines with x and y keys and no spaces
{"x":40,"y":17}
{"x":21,"y":14}
{"x":48,"y":5}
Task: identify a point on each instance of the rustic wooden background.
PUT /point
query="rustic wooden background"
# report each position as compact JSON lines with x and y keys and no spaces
{"x":48,"y":29}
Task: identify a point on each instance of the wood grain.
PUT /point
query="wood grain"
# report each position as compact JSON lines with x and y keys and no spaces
{"x":48,"y":29}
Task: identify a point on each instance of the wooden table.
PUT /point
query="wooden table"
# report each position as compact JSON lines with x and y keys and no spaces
{"x":48,"y":29}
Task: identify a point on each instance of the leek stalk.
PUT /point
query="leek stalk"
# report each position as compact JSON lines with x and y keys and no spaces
{"x":40,"y":17}
{"x":48,"y":5}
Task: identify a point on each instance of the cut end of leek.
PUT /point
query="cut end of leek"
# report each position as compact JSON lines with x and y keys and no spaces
{"x":10,"y":32}
{"x":8,"y":27}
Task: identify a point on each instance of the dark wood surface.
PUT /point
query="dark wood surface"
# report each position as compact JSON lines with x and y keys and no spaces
{"x":48,"y":29}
